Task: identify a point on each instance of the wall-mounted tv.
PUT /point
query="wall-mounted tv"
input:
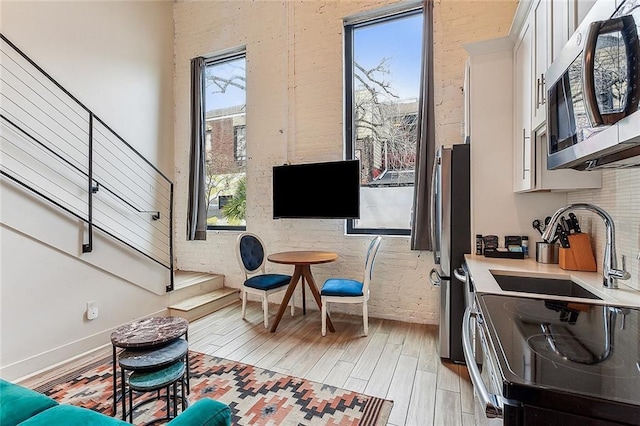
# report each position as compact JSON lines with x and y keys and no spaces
{"x":329,"y":190}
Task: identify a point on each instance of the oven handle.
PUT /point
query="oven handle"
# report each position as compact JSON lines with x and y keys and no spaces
{"x":492,"y":404}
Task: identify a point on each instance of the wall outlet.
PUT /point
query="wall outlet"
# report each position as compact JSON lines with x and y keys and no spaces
{"x":92,"y":310}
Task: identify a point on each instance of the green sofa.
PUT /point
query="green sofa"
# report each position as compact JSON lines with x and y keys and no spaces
{"x":25,"y":407}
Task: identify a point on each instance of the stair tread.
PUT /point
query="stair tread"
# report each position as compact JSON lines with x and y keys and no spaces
{"x":203,"y":299}
{"x":188,"y":278}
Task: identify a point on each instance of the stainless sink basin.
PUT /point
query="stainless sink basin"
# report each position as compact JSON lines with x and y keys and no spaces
{"x":547,"y":286}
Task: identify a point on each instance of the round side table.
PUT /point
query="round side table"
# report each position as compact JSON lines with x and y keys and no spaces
{"x":148,"y":334}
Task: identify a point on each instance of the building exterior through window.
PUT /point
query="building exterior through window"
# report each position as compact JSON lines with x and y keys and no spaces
{"x":382,"y":82}
{"x":225,"y":129}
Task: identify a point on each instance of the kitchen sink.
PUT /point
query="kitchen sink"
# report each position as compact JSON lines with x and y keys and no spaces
{"x":539,"y":285}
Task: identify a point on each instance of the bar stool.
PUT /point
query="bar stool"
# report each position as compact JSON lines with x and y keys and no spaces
{"x":154,"y":381}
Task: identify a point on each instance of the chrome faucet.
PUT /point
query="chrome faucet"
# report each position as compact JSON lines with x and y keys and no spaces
{"x":610,"y":265}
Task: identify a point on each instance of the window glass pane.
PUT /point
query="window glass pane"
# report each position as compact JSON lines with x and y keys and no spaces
{"x":225,"y":106}
{"x":386,"y":87}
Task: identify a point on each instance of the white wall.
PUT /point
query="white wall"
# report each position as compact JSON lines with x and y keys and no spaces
{"x":620,"y":197}
{"x":295,"y":114}
{"x":497,"y":210}
{"x":116,"y":58}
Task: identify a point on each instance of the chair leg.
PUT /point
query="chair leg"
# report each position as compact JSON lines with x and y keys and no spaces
{"x":324,"y":317}
{"x":293,"y":303}
{"x":265,"y":310}
{"x":244,"y":303}
{"x":365,"y":318}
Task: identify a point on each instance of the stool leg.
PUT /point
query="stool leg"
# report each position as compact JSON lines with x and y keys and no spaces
{"x":175,"y":398}
{"x":123,"y":396}
{"x":168,"y":400}
{"x":115,"y":383}
{"x":185,"y":403}
{"x":130,"y":407}
{"x":186,"y":337}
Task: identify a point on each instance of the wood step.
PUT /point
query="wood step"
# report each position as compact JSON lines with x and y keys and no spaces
{"x":188,"y":284}
{"x":204,"y":304}
{"x":183,"y":279}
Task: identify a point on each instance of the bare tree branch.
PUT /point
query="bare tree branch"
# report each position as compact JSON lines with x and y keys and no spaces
{"x":224,"y":83}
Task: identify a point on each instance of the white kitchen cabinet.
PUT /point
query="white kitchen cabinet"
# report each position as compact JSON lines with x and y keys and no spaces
{"x":541,"y":61}
{"x":564,"y":16}
{"x":561,"y":25}
{"x":522,"y":148}
{"x":540,"y":30}
{"x":561,"y":179}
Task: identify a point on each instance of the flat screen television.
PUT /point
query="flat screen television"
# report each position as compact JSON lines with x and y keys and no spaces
{"x":328,"y":190}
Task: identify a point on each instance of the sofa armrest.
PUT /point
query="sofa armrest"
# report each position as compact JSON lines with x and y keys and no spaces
{"x":205,"y":412}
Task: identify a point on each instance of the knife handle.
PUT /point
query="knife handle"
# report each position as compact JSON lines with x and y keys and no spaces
{"x":574,"y":222}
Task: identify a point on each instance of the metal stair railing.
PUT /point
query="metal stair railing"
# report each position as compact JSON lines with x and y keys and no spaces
{"x":54,"y":146}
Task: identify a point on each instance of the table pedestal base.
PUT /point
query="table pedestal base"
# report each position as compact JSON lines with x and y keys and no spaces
{"x":301,"y":272}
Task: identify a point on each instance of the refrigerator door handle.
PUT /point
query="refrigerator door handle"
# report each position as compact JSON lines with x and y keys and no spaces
{"x":435,"y":278}
{"x":460,"y":274}
{"x":435,"y":208}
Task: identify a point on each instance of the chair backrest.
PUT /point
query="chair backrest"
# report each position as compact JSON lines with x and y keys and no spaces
{"x":250,"y":252}
{"x":368,"y":264}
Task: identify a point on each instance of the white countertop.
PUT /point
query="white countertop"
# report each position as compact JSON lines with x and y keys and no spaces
{"x":481,"y":269}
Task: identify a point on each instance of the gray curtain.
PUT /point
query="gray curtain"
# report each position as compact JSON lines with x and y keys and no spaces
{"x":425,"y":145}
{"x":197,"y":208}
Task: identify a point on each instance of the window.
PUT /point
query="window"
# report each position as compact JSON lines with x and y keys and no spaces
{"x":382,"y":83}
{"x":240,"y":143}
{"x":225,"y":129}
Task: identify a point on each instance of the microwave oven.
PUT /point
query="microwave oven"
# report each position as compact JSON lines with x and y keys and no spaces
{"x":593,"y":121}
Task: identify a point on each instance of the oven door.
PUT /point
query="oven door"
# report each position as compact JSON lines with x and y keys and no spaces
{"x":486,"y":382}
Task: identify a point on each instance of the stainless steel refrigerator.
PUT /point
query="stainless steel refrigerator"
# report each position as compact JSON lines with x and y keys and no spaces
{"x":451,"y":237}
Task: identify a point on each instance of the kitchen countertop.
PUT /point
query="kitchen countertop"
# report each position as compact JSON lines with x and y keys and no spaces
{"x":481,"y":268}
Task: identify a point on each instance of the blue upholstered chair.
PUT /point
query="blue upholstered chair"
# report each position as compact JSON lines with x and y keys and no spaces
{"x":252,"y":259}
{"x":343,"y":290}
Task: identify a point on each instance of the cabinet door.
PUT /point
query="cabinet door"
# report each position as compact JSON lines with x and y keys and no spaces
{"x":561,"y":179}
{"x":541,"y":61}
{"x":559,"y":17}
{"x":522,"y":179}
{"x":578,"y":10}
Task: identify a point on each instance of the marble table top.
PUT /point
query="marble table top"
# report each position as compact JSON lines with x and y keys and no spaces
{"x":148,"y":359}
{"x":149,"y":332}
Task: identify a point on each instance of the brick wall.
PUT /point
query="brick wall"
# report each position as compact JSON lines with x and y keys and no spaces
{"x":295,"y":114}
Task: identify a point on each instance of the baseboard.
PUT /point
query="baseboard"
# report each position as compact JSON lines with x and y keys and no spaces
{"x":37,"y":364}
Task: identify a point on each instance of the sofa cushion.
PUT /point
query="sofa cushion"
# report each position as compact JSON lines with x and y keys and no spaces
{"x":205,"y":412}
{"x":71,"y":415}
{"x":18,"y":403}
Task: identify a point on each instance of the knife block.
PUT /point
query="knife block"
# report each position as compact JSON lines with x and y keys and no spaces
{"x":579,"y":256}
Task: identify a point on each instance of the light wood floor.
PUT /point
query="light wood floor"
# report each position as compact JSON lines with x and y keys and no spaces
{"x":396,"y":361}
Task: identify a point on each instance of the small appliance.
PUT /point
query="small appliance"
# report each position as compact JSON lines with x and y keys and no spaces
{"x":593,"y":120}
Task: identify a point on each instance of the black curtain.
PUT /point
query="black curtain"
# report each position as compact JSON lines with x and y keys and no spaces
{"x":426,"y":142}
{"x":197,"y":208}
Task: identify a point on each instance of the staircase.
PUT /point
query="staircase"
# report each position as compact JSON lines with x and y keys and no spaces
{"x":197,"y":294}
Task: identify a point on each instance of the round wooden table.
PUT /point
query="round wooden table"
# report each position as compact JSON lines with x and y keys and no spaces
{"x":302,"y":261}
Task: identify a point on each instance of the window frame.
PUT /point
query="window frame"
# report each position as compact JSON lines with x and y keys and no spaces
{"x":350,"y":25}
{"x":220,"y":58}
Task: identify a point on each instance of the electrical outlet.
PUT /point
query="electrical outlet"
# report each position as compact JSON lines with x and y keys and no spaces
{"x":92,"y":310}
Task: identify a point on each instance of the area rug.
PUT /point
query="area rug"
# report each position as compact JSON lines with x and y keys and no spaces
{"x":256,"y":396}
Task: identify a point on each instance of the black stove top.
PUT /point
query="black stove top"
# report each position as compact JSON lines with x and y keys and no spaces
{"x":566,"y":347}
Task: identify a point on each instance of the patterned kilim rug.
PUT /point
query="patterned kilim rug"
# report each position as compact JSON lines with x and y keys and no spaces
{"x":256,"y":396}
